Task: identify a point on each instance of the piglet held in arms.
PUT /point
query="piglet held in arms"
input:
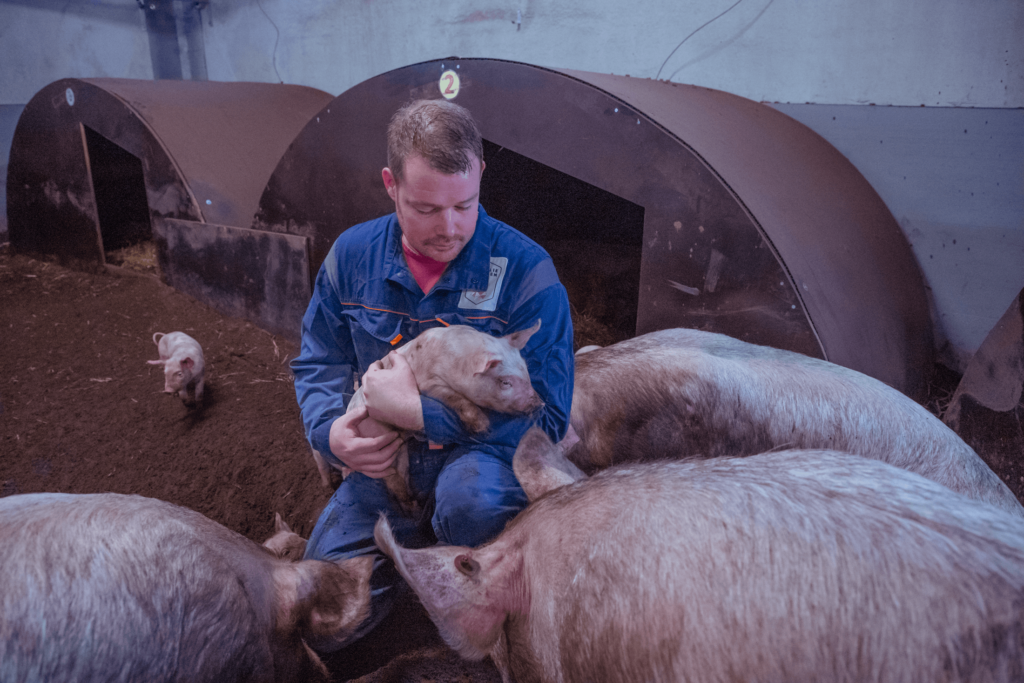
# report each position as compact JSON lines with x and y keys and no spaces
{"x":469,"y":371}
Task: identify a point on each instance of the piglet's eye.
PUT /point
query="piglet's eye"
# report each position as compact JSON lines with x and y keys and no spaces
{"x":506,"y":383}
{"x":467,"y":565}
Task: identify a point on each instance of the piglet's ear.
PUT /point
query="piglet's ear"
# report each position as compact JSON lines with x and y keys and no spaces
{"x":486,"y":362}
{"x":279,"y":524}
{"x":517,"y":340}
{"x":188,"y":362}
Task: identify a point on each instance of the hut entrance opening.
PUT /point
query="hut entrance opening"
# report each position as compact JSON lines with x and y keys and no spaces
{"x":122,"y":210}
{"x":594,"y":237}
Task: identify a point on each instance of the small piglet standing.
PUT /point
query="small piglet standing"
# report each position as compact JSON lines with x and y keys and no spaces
{"x":182,"y":358}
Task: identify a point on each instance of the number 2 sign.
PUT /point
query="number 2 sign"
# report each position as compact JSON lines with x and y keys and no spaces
{"x":449,"y":84}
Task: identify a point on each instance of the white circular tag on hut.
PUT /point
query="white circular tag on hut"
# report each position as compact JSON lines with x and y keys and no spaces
{"x":449,"y":84}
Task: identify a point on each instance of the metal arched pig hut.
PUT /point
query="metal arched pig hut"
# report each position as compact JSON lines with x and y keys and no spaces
{"x":100,"y":164}
{"x":663,"y":205}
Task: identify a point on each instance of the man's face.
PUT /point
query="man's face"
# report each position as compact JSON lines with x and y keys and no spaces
{"x":437,"y":211}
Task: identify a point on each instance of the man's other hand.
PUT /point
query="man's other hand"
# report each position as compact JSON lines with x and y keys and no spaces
{"x":364,"y":444}
{"x":391,"y":394}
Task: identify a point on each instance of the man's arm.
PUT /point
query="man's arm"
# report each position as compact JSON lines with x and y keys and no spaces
{"x":325,"y":372}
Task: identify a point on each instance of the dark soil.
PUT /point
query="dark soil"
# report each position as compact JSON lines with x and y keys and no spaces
{"x":81,"y":411}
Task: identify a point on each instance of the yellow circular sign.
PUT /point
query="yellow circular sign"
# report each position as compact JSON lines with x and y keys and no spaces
{"x":449,"y":84}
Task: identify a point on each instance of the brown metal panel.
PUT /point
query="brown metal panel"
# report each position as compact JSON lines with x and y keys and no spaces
{"x":752,"y":224}
{"x":854,"y":269}
{"x":225,"y":138}
{"x":50,"y":204}
{"x":329,"y":180}
{"x":260,"y":276}
{"x":207,"y":150}
{"x":48,"y":161}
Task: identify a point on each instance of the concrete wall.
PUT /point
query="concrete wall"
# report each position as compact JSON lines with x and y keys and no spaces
{"x":946,"y":156}
{"x":9,"y":114}
{"x":954,"y":180}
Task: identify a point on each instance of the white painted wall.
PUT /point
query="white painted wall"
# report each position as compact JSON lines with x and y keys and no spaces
{"x":956,"y":58}
{"x":954,"y":180}
{"x":42,"y":41}
{"x":899,"y":52}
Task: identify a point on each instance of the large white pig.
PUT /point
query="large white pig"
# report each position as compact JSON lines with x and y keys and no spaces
{"x":468,"y":370}
{"x":110,"y":587}
{"x":780,"y":567}
{"x":184,"y":367}
{"x":682,"y":392}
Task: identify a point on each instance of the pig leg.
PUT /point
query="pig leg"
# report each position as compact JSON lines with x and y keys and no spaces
{"x":329,"y":475}
{"x":199,"y":391}
{"x":472,"y":416}
{"x":398,"y":484}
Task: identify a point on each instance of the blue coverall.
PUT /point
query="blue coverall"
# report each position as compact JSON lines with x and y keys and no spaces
{"x":364,"y":304}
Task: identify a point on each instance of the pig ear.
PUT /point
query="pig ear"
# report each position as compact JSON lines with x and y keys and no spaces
{"x":279,"y":524}
{"x":188,"y":362}
{"x":486,"y":361}
{"x":466,"y":601}
{"x":325,"y":601}
{"x":517,"y":340}
{"x":540,"y":466}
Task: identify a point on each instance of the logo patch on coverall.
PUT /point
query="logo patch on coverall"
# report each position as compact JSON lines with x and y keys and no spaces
{"x":487,"y":299}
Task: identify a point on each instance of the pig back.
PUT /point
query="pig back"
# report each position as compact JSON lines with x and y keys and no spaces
{"x":682,"y":392}
{"x":791,"y":566}
{"x":118,"y":587}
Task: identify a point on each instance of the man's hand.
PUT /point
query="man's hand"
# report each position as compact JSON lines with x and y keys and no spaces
{"x":364,"y":444}
{"x":391,"y":395}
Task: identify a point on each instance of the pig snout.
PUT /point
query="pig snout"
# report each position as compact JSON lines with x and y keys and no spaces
{"x":140,"y":589}
{"x":452,"y":586}
{"x":523,"y":398}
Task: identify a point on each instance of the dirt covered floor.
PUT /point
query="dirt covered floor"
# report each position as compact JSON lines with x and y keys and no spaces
{"x":81,"y":411}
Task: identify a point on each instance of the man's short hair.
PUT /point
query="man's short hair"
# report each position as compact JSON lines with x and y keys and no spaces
{"x":441,"y":132}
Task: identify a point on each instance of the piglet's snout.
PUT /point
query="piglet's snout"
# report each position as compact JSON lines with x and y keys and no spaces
{"x":525,"y":399}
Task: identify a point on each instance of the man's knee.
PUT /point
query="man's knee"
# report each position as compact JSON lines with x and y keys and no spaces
{"x":476,"y":495}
